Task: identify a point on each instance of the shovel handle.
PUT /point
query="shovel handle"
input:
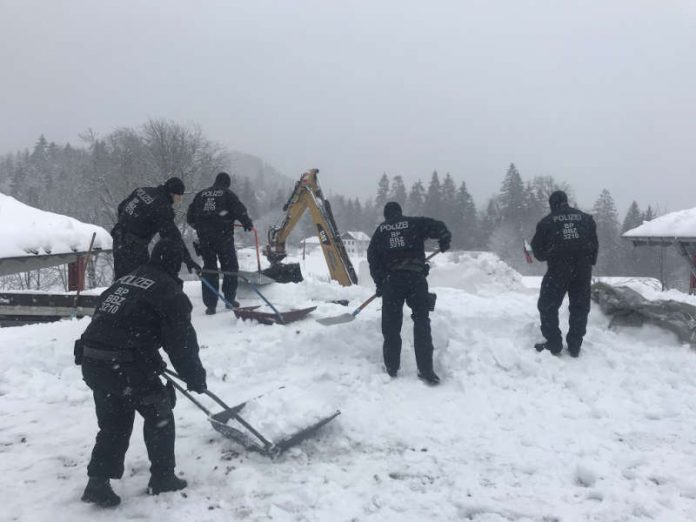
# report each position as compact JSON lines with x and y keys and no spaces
{"x":374,"y":296}
{"x":168,"y":374}
{"x":280,"y":317}
{"x":185,"y":393}
{"x":256,"y":239}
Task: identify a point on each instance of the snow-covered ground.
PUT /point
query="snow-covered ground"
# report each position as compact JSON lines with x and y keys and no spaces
{"x":510,"y":434}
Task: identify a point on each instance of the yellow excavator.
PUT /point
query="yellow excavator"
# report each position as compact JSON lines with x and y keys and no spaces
{"x":308,"y":195}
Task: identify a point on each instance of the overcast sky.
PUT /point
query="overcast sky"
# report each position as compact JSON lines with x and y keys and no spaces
{"x":601,"y":94}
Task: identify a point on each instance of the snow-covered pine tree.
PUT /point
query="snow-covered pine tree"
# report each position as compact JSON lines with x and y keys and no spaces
{"x":606,"y":217}
{"x":416,"y":199}
{"x":382,"y":191}
{"x":398,"y":191}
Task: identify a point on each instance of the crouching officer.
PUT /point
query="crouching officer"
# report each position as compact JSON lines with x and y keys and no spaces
{"x":212,"y":214}
{"x":119,"y":353}
{"x":567,"y":240}
{"x":147,"y":211}
{"x":396,"y":256}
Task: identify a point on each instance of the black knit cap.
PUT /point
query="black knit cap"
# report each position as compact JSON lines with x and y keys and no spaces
{"x":168,"y":255}
{"x":223,"y":180}
{"x":392,"y":210}
{"x":175,"y":186}
{"x":557,"y":199}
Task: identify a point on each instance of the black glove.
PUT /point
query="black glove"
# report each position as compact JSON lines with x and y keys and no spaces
{"x":192,"y":265}
{"x":444,"y":246}
{"x":199,"y":387}
{"x":171,"y":392}
{"x":248,"y":225}
{"x":77,"y":352}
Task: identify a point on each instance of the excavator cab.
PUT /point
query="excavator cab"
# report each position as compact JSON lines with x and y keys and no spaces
{"x":307,"y":195}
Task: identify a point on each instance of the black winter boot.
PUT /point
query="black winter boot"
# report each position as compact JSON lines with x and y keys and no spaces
{"x":555,"y":350}
{"x":392,"y":372}
{"x":430,"y":378}
{"x":163,"y":483}
{"x":99,"y":492}
{"x":210,"y":310}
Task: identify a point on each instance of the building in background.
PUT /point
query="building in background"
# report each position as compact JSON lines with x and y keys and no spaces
{"x":356,"y":242}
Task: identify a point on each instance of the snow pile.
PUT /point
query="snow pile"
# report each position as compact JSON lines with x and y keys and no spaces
{"x":26,"y":230}
{"x":285,"y":411}
{"x":510,"y":434}
{"x":680,"y":224}
{"x":474,"y":272}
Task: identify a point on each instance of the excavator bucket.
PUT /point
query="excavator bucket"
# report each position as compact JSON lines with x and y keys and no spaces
{"x":284,"y":273}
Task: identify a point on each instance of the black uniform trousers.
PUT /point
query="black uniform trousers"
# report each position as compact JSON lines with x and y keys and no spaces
{"x":214,"y":246}
{"x":411,"y":287}
{"x":118,"y":394}
{"x":574,"y":277}
{"x":129,"y":253}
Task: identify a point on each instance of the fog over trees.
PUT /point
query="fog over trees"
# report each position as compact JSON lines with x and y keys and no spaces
{"x":87,"y":180}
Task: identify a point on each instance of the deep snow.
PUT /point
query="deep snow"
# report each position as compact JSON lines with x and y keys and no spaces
{"x":25,"y":230}
{"x":679,"y":224}
{"x":509,"y":435}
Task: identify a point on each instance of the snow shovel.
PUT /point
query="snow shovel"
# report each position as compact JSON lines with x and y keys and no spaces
{"x":246,"y":434}
{"x":348,"y":317}
{"x":258,"y":277}
{"x":250,"y":312}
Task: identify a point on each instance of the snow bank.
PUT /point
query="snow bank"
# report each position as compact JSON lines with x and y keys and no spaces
{"x":26,"y":230}
{"x":680,"y":224}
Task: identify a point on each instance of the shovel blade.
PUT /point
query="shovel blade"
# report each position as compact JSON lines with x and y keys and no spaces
{"x":301,"y":435}
{"x":255,"y":278}
{"x":270,"y":317}
{"x":220,"y":420}
{"x":338,"y":319}
{"x":229,"y":432}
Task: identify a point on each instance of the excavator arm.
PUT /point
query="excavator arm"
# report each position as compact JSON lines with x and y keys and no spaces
{"x":307,"y":195}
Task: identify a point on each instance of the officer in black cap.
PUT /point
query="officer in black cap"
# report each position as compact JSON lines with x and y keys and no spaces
{"x":396,"y":256}
{"x":567,"y":240}
{"x":212,"y":214}
{"x":119,"y":353}
{"x":147,"y":211}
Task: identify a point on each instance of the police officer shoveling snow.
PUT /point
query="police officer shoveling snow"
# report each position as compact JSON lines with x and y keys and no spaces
{"x":146,"y":212}
{"x":119,"y":353}
{"x":212,"y":214}
{"x":396,"y":256}
{"x":567,"y":240}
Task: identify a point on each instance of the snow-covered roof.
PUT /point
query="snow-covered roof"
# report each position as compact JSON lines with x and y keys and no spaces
{"x":312,"y":240}
{"x":28,"y":231}
{"x":357,"y":235}
{"x":675,"y":225}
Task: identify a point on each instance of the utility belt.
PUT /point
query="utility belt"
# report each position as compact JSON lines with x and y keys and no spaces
{"x":83,"y":351}
{"x":410,"y":265}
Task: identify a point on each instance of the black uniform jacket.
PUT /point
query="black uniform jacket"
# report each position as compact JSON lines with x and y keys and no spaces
{"x":215,"y":209}
{"x":147,"y":211}
{"x":566,"y":233}
{"x":399,"y":244}
{"x":140,"y":313}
